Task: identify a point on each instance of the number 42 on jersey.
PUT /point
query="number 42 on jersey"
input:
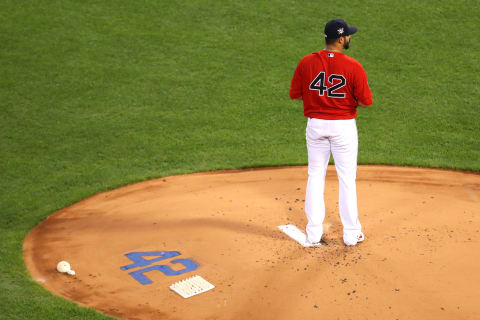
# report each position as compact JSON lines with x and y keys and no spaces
{"x":336,"y":80}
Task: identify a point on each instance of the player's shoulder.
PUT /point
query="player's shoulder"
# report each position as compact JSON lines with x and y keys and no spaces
{"x":352,"y":61}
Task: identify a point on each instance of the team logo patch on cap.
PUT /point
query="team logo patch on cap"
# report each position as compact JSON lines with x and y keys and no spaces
{"x":340,"y":31}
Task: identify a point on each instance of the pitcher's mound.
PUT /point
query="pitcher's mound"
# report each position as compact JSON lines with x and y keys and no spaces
{"x":420,"y":259}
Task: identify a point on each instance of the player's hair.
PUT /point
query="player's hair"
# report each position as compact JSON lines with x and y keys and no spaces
{"x":330,"y":40}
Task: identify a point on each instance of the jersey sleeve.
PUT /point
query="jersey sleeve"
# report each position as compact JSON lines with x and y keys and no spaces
{"x":361,"y":89}
{"x":296,"y":85}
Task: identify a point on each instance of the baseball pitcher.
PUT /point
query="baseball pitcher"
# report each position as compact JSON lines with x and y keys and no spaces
{"x":332,"y":85}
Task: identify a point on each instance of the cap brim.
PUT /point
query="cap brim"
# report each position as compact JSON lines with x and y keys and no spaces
{"x":352,"y":30}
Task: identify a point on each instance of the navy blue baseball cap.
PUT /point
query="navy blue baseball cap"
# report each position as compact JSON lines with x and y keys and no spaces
{"x":337,"y":28}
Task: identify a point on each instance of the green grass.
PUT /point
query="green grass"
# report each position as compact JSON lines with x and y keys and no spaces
{"x":98,"y":94}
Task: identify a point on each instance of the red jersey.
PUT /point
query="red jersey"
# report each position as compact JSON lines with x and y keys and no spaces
{"x":330,"y":84}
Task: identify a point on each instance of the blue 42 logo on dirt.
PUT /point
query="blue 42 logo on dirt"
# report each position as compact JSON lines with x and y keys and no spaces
{"x":139,"y":261}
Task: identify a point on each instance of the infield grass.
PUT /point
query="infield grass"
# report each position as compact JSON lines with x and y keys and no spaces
{"x":98,"y":94}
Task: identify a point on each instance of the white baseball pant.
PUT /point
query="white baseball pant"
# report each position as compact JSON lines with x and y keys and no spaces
{"x":340,"y":138}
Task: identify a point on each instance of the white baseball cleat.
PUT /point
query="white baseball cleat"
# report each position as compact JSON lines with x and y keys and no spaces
{"x":360,"y":237}
{"x":351,"y":241}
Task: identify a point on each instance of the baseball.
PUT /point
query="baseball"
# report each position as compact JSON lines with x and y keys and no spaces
{"x":63,"y":266}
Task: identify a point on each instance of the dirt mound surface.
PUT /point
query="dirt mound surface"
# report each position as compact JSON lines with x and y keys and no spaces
{"x":420,"y":259}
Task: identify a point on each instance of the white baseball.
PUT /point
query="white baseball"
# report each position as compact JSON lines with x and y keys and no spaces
{"x":63,"y":266}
